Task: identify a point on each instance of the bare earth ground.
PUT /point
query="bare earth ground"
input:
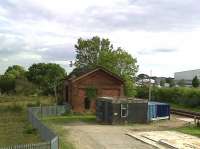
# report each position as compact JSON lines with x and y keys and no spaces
{"x":95,"y":136}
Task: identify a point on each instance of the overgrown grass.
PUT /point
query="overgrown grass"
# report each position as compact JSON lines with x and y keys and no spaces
{"x":57,"y":123}
{"x":183,"y":107}
{"x":192,"y":130}
{"x":14,"y":126}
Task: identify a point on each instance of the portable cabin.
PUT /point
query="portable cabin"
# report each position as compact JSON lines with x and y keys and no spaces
{"x":122,"y":110}
{"x":158,"y":110}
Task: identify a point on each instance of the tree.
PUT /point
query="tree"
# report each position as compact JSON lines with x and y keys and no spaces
{"x":95,"y":52}
{"x":88,"y":51}
{"x":7,"y":84}
{"x":46,"y":76}
{"x":195,"y":82}
{"x":162,"y":83}
{"x":141,"y":78}
{"x":181,"y":83}
{"x":170,"y":81}
{"x":15,"y":71}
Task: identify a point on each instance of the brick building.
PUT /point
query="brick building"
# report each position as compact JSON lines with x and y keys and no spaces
{"x":104,"y":82}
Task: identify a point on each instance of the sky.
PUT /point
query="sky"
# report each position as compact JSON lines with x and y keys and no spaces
{"x":164,"y":35}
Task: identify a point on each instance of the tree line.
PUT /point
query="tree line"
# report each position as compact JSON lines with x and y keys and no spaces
{"x":44,"y":78}
{"x":41,"y":78}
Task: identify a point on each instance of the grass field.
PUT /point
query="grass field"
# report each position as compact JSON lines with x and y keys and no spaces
{"x":57,"y":122}
{"x":14,"y":127}
{"x":192,"y":130}
{"x":182,"y":107}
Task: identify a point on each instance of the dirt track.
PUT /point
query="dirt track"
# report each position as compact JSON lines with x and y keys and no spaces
{"x":94,"y":136}
{"x":103,"y":137}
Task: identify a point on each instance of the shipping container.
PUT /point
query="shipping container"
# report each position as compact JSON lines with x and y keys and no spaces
{"x":157,"y":110}
{"x":113,"y":111}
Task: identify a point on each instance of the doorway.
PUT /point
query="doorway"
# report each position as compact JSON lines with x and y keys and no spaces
{"x":87,"y":103}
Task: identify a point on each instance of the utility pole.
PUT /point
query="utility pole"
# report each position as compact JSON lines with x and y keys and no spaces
{"x":150,"y":85}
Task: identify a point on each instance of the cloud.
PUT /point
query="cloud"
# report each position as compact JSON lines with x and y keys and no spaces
{"x":154,"y":31}
{"x":156,"y":51}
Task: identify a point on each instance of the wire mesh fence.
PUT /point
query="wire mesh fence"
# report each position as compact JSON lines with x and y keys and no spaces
{"x":34,"y":117}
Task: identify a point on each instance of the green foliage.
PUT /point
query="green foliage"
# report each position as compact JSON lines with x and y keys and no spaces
{"x":91,"y":92}
{"x":28,"y":129}
{"x":181,"y":83}
{"x":95,"y":52}
{"x":7,"y":85}
{"x":195,"y":82}
{"x":88,"y":51}
{"x":46,"y":76}
{"x":34,"y":104}
{"x":15,"y":71}
{"x":162,"y":83}
{"x":142,"y":92}
{"x":14,"y":107}
{"x":183,"y":96}
{"x":170,"y":81}
{"x":24,"y":87}
{"x":192,"y":130}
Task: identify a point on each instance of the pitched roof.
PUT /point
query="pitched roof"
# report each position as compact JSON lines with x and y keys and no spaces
{"x":81,"y":74}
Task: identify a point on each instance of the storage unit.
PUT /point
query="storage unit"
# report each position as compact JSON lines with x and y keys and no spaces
{"x":122,"y":110}
{"x":157,"y":110}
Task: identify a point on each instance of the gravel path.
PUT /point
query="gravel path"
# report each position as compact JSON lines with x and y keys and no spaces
{"x":95,"y":136}
{"x":103,"y":137}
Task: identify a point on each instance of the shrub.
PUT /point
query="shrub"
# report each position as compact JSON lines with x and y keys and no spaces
{"x":182,"y":95}
{"x":28,"y":129}
{"x":35,"y":104}
{"x":15,"y":107}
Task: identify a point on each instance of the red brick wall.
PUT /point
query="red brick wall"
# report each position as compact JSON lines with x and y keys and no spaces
{"x":105,"y":84}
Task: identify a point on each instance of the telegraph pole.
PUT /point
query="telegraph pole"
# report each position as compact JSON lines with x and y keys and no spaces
{"x":150,"y":85}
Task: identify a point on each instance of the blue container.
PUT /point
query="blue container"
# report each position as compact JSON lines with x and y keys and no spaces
{"x":152,"y":111}
{"x":158,"y":110}
{"x":162,"y":110}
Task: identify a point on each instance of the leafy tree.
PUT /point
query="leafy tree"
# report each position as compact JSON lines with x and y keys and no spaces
{"x":46,"y":76}
{"x":15,"y":71}
{"x":7,"y":84}
{"x":181,"y":83}
{"x":162,"y":82}
{"x":195,"y":82}
{"x":99,"y":52}
{"x":88,"y":51}
{"x":141,"y":77}
{"x":170,"y":81}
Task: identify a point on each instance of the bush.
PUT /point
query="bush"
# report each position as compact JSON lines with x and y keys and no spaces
{"x":28,"y":129}
{"x":15,"y":107}
{"x":24,"y":87}
{"x":35,"y":104}
{"x":178,"y":95}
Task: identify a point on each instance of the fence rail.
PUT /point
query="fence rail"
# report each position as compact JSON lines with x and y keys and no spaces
{"x":45,"y":145}
{"x":34,"y":117}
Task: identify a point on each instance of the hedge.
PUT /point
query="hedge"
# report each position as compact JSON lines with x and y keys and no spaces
{"x":178,"y":95}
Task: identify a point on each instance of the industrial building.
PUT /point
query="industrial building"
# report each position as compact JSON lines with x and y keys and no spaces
{"x":187,"y":76}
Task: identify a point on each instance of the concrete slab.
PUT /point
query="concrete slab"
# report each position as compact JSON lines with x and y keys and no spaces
{"x":189,"y":120}
{"x":168,"y":139}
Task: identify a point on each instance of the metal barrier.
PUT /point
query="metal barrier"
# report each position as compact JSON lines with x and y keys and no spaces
{"x":45,"y":145}
{"x":34,"y":117}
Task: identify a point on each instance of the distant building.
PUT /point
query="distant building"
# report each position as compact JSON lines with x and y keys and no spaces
{"x":187,"y":76}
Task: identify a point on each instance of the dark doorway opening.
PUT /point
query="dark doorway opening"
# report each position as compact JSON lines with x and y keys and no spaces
{"x":87,"y":103}
{"x":66,"y":95}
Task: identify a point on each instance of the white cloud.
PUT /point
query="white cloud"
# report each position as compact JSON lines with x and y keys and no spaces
{"x":162,"y":35}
